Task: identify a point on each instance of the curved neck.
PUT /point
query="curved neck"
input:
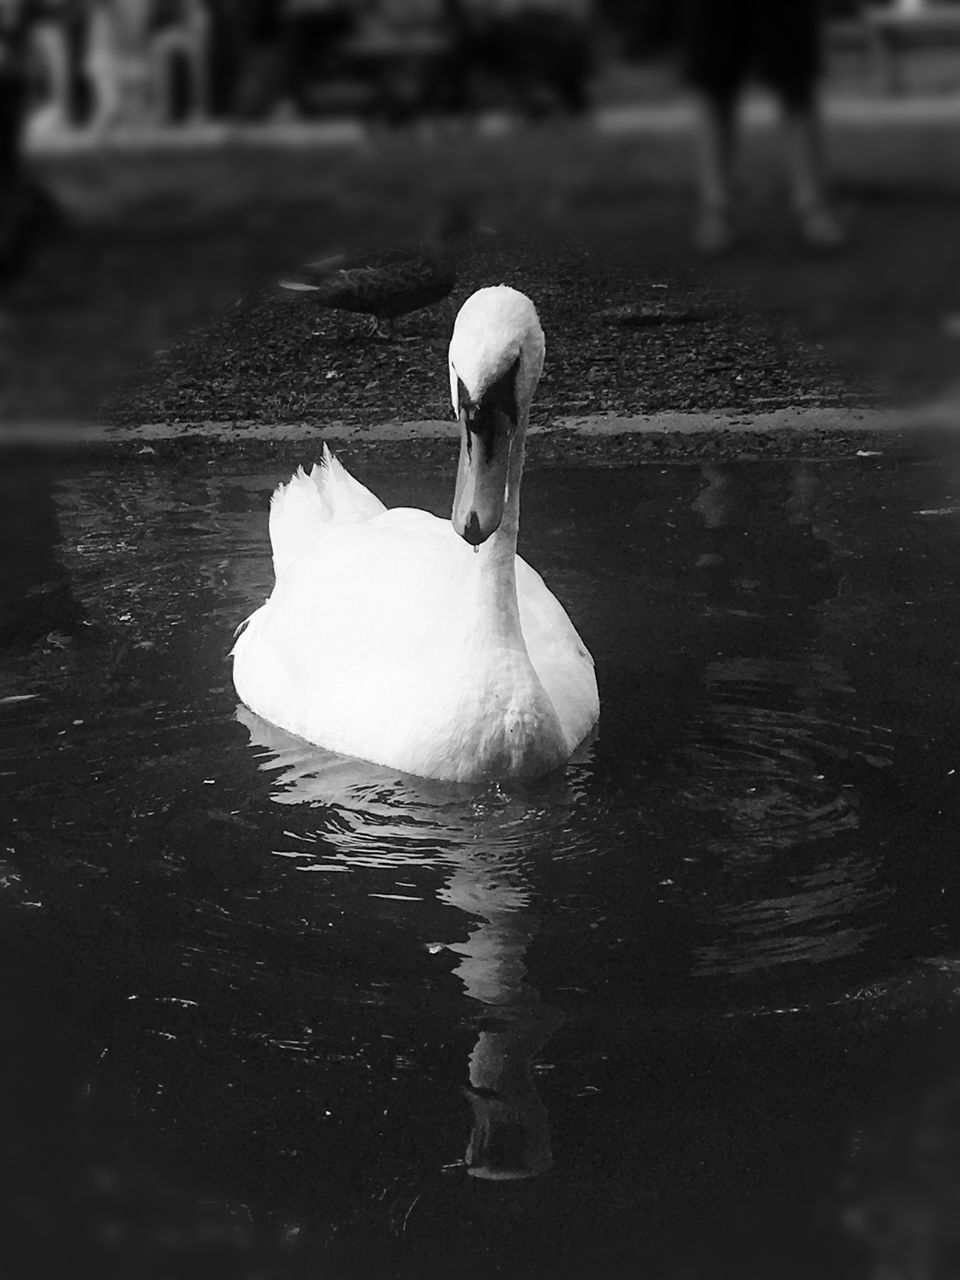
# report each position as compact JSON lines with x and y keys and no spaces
{"x":498,"y":574}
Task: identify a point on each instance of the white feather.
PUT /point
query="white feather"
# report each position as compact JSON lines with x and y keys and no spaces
{"x":389,"y":639}
{"x":309,"y":503}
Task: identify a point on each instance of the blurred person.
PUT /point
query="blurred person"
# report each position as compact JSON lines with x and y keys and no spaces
{"x":50,"y":54}
{"x":148,"y":61}
{"x":227,"y":29}
{"x":286,"y":47}
{"x":538,"y":51}
{"x":180,"y":58}
{"x":15,"y":22}
{"x":726,"y":42}
{"x":27,"y":211}
{"x":311,"y":31}
{"x":116,"y":62}
{"x":258,"y":74}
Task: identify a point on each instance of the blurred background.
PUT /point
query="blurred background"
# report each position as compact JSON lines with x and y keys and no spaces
{"x":162,"y":158}
{"x":162,"y":164}
{"x":147,"y":63}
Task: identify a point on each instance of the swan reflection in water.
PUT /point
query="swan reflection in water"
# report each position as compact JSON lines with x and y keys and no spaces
{"x":482,"y":841}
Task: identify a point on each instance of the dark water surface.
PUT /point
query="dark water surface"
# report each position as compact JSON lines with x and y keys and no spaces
{"x":263,"y":1006}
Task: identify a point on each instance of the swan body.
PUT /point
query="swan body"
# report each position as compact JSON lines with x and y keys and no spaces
{"x":424,"y":644}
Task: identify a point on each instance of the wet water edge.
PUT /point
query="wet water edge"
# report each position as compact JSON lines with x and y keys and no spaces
{"x":693,"y":975}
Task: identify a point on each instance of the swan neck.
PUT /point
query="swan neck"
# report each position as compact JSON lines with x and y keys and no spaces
{"x":499,"y":573}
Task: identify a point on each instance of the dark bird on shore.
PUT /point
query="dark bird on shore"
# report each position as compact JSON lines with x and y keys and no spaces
{"x":387,"y":282}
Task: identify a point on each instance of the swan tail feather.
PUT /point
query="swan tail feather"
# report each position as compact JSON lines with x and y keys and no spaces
{"x":311,"y":502}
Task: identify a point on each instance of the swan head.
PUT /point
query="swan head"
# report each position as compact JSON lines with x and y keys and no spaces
{"x":496,"y":358}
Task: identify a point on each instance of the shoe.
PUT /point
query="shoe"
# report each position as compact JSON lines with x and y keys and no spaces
{"x":821,"y":230}
{"x":714,"y":233}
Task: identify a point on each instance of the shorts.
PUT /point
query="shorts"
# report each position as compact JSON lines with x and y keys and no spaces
{"x":727,"y":42}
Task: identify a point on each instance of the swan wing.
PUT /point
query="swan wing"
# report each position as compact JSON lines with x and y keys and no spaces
{"x":561,"y":660}
{"x":358,"y":648}
{"x":310,"y":503}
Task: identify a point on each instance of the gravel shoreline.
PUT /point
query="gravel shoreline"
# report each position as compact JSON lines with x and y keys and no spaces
{"x":607,"y":441}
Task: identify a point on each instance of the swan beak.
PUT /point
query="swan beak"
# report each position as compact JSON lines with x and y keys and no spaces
{"x":486,"y":433}
{"x":487,"y":428}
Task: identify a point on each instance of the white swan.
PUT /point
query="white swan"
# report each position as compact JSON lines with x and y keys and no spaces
{"x":422,"y":644}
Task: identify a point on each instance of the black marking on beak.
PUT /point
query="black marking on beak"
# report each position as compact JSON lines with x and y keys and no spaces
{"x":498,"y":401}
{"x":466,"y":407}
